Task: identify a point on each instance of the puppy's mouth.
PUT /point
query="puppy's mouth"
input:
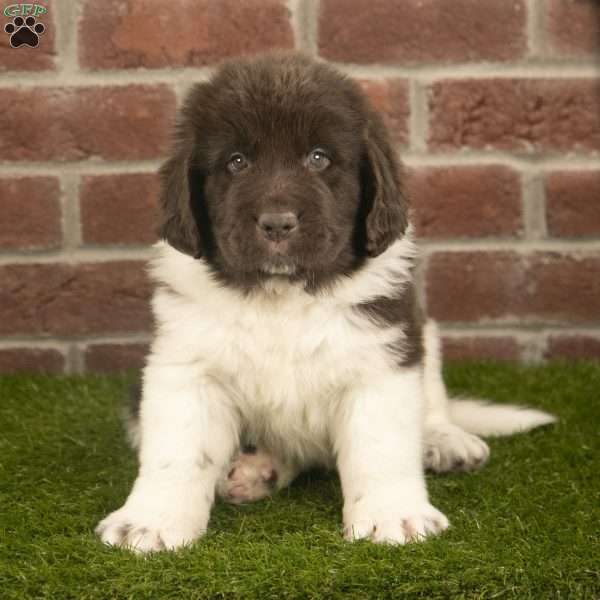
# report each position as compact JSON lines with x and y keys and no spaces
{"x":278,"y":269}
{"x":278,"y":262}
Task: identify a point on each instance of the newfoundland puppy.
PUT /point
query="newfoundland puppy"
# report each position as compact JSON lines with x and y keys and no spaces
{"x":287,"y":330}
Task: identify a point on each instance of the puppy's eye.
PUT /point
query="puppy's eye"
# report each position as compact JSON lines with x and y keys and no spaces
{"x":317,"y":160}
{"x":237,"y":162}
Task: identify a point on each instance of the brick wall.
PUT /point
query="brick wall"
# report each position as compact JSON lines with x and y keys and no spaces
{"x":494,"y":105}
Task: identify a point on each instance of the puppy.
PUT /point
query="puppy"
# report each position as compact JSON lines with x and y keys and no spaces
{"x":287,"y":330}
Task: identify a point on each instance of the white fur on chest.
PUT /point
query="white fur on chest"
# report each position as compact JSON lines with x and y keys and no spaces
{"x":285,"y":357}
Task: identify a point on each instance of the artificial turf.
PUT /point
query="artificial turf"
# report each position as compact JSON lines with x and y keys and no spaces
{"x":526,"y":526}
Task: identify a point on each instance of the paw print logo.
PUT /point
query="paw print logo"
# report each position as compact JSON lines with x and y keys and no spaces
{"x":24,"y":32}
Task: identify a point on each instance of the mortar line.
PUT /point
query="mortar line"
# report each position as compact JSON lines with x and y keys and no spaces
{"x":70,"y":185}
{"x":420,"y":279}
{"x":78,"y":255}
{"x":305,"y":24}
{"x":559,"y":70}
{"x":535,"y":32}
{"x":487,"y":329}
{"x":534,"y":205}
{"x":517,"y":245}
{"x":418,"y":121}
{"x":61,"y":342}
{"x":70,"y":13}
{"x":74,"y":360}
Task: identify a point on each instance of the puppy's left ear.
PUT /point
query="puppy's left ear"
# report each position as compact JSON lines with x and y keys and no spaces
{"x":385,"y":202}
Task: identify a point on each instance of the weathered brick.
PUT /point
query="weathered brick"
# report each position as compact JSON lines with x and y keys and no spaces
{"x":524,"y":115}
{"x":118,"y":34}
{"x":409,"y":31}
{"x":572,"y":347}
{"x":457,"y":202}
{"x":31,"y":360}
{"x":480,"y":348}
{"x":65,"y":299}
{"x":113,"y":122}
{"x":31,"y":214}
{"x":506,"y":286}
{"x":119,"y":209}
{"x":573,"y":27}
{"x":390,"y":97}
{"x":109,"y":358}
{"x":25,"y":58}
{"x":573,"y":203}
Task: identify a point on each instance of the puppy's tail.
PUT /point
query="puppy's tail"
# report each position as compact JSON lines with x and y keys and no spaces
{"x":483,"y":418}
{"x":479,"y":417}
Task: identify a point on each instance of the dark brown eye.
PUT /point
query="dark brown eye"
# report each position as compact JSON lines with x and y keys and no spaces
{"x":317,"y":160}
{"x":237,"y":162}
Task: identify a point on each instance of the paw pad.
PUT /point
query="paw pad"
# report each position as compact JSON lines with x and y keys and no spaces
{"x":250,"y":478}
{"x":24,"y":32}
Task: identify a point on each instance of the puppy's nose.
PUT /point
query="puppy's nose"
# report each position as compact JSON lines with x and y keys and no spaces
{"x":278,"y":226}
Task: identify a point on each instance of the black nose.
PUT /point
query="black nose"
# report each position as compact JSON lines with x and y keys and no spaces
{"x":278,"y":226}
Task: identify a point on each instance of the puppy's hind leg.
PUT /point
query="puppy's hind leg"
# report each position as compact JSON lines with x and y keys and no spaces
{"x":446,"y":446}
{"x":254,"y":475}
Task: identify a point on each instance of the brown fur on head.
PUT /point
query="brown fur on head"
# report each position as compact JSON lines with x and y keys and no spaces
{"x":245,"y":148}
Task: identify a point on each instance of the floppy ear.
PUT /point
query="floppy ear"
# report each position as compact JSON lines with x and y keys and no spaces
{"x":182,"y":181}
{"x":179,"y":227}
{"x":383,"y":197}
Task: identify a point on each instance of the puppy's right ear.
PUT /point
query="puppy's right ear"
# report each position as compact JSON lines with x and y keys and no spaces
{"x":179,"y":227}
{"x":182,"y":180}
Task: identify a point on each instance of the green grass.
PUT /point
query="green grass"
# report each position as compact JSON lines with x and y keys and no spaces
{"x":525,"y":527}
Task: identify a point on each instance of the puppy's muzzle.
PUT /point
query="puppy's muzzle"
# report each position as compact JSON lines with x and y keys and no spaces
{"x":277,"y":226}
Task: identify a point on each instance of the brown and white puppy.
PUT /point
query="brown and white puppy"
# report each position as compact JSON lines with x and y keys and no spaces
{"x":286,"y":318}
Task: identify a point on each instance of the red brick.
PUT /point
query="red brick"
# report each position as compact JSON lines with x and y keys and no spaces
{"x":390,"y":97}
{"x":119,"y":209}
{"x":118,"y":34}
{"x":128,"y":122}
{"x":480,"y":348}
{"x":410,"y":31}
{"x":573,"y":27}
{"x":67,"y":300}
{"x":25,"y":58}
{"x":31,"y":360}
{"x":456,"y":202}
{"x":573,"y":203}
{"x":572,"y":347}
{"x":108,"y":358}
{"x":540,"y":287}
{"x":31,"y":214}
{"x":525,"y":115}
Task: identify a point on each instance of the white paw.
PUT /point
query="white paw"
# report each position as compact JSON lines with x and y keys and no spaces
{"x":131,"y":530}
{"x":387,"y":523}
{"x":150,"y":522}
{"x":450,"y":448}
{"x":251,"y":477}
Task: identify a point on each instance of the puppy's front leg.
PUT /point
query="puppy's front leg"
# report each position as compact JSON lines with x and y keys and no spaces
{"x":188,"y":435}
{"x":377,"y":439}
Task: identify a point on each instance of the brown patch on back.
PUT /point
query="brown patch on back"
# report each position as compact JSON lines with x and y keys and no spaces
{"x":402,"y":310}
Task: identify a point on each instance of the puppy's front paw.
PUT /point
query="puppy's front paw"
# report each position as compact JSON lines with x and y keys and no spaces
{"x":387,"y":523}
{"x":152,"y":522}
{"x":131,"y":530}
{"x":450,"y":448}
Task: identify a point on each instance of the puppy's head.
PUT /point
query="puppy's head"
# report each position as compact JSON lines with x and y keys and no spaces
{"x":281,"y":168}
